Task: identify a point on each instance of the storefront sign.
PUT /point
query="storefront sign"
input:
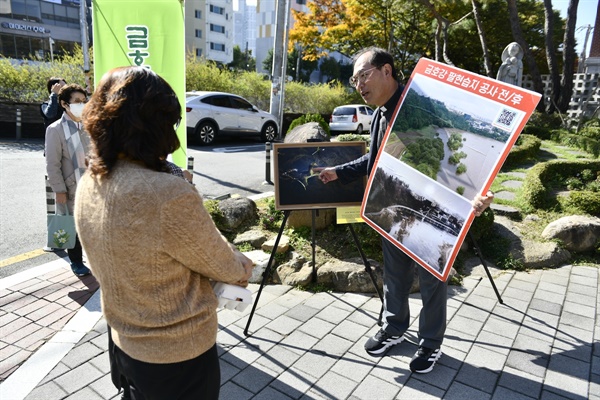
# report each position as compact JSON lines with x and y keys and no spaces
{"x":23,"y":27}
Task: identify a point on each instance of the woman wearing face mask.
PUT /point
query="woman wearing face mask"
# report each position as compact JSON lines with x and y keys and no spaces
{"x":66,"y":148}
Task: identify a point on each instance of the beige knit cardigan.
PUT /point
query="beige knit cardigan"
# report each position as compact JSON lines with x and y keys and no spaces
{"x":153,"y":248}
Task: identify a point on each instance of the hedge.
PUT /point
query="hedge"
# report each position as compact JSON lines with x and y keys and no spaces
{"x":526,"y":148}
{"x":538,"y":181}
{"x":586,"y":201}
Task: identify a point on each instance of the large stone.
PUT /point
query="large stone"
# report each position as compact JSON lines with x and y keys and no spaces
{"x":535,"y":254}
{"x":350,"y":275}
{"x":577,"y":233}
{"x":255,"y":237}
{"x":282,"y":246}
{"x":529,"y":253}
{"x":323,"y":218}
{"x":237,"y":211}
{"x":311,"y":131}
{"x":261,"y":260}
{"x":296,"y":272}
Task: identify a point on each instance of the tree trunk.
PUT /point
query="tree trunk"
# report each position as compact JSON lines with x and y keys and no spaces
{"x":566,"y":90}
{"x":517,"y":33}
{"x":551,"y":56}
{"x":486,"y":55}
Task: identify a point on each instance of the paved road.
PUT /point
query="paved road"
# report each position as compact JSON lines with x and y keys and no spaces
{"x":228,"y":168}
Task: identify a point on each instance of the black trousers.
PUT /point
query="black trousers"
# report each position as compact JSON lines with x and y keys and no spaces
{"x":76,"y":253}
{"x":198,"y":378}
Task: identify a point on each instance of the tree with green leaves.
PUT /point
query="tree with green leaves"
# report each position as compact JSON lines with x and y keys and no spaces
{"x":242,"y":60}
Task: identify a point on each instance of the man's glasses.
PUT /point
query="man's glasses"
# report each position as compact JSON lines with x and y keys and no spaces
{"x":177,"y":123}
{"x":362,"y":76}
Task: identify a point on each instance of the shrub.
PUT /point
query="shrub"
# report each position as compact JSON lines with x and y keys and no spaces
{"x":212,"y":206}
{"x":526,"y":148}
{"x":482,"y":225}
{"x":588,"y":202}
{"x":27,"y":82}
{"x":540,"y":179}
{"x":354,"y":137}
{"x":541,"y":125}
{"x":310,"y":118}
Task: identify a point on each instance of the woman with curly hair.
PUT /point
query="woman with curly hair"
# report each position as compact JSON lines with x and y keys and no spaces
{"x":150,"y":243}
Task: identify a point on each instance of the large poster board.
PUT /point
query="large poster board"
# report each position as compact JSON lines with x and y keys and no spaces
{"x":298,"y":187}
{"x":449,"y":136}
{"x":146,"y":33}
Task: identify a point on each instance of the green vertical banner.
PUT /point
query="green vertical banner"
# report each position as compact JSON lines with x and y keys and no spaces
{"x":146,"y":33}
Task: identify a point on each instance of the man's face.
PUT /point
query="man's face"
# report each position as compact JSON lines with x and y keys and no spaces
{"x":370,"y":81}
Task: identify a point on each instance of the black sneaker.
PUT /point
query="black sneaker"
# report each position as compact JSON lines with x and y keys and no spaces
{"x":424,"y":359}
{"x":79,"y":269}
{"x":382,"y":341}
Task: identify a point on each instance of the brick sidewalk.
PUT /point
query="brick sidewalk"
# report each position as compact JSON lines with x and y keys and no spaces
{"x":542,"y":343}
{"x":31,"y":312}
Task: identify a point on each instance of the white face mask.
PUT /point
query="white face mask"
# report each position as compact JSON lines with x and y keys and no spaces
{"x":76,"y":109}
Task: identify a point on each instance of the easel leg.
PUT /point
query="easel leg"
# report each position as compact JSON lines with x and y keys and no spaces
{"x":314,"y":268}
{"x":267,"y":270}
{"x":485,"y":267}
{"x":368,"y":270}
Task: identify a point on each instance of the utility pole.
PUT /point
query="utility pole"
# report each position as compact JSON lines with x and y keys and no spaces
{"x":277,"y":81}
{"x":84,"y":42}
{"x":51,"y":43}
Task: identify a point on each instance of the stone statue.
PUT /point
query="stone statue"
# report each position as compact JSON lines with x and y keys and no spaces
{"x":511,"y":70}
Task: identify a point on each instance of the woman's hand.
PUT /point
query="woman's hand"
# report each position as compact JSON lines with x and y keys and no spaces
{"x":248,"y":265}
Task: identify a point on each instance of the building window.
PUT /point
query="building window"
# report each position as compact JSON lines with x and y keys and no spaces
{"x":300,"y":1}
{"x":217,"y":9}
{"x":198,"y":52}
{"x":198,"y":33}
{"x":198,"y":14}
{"x":217,"y":28}
{"x":217,"y":46}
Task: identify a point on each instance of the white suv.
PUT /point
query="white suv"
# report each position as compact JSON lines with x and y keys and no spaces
{"x":351,"y":118}
{"x":209,"y":114}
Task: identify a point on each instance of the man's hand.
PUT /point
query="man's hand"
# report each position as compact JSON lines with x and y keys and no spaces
{"x":61,"y":198}
{"x":56,"y":87}
{"x":480,"y":202}
{"x":326,"y":175}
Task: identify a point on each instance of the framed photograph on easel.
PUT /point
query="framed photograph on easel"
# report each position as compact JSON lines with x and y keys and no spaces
{"x":297,"y":186}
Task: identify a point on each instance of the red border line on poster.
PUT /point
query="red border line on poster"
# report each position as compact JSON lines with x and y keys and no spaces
{"x":479,"y":87}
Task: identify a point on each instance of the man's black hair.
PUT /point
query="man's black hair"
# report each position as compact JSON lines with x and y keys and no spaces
{"x":379,"y":57}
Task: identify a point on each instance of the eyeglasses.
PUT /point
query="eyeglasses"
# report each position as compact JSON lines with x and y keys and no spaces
{"x":78,"y":102}
{"x":177,"y":123}
{"x":362,"y":76}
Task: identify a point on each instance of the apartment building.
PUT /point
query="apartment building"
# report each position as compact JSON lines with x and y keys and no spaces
{"x":209,"y":29}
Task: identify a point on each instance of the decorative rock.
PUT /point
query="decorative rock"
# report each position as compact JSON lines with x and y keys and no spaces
{"x":282,"y":246}
{"x":505,"y":195}
{"x":507,"y":211}
{"x":295,"y":272}
{"x":578,"y":233}
{"x":303,"y":133}
{"x":512,"y":184}
{"x":260,"y":259}
{"x":529,"y":253}
{"x":237,"y":211}
{"x":531,"y":218}
{"x":323,"y":218}
{"x":541,"y":255}
{"x":349,"y":275}
{"x":255,"y":237}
